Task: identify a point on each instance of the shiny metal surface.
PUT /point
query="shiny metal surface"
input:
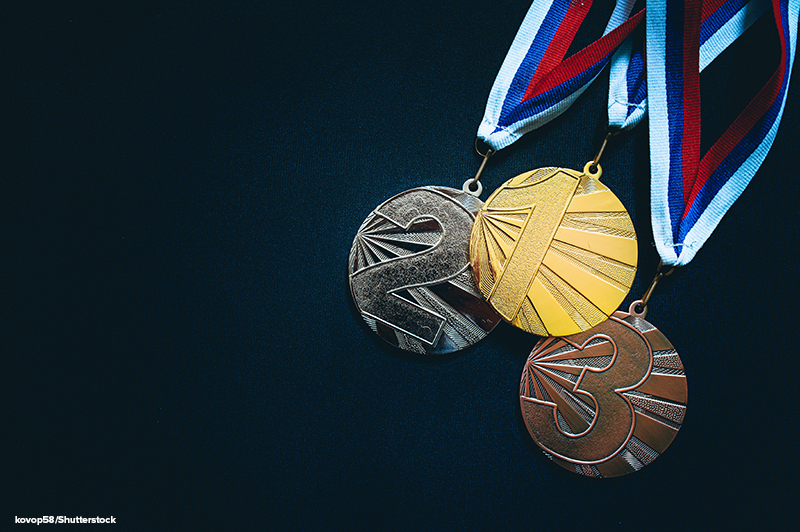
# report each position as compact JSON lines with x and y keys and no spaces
{"x":554,"y":251}
{"x":410,"y":275}
{"x":605,"y":402}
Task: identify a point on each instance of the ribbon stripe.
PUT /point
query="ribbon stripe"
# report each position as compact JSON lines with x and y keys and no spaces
{"x":690,"y":195}
{"x":685,"y":52}
{"x":716,"y":14}
{"x":569,"y":80}
{"x":549,"y":47}
{"x":535,"y":84}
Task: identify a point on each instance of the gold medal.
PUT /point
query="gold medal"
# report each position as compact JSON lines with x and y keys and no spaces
{"x":554,"y":251}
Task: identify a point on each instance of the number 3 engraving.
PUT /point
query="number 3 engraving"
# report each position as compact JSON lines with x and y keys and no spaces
{"x":419,"y":261}
{"x":606,"y":434}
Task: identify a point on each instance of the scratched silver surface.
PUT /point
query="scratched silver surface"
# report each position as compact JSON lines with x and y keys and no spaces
{"x":410,"y":275}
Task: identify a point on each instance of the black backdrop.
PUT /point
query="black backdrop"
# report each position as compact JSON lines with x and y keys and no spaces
{"x":181,"y":183}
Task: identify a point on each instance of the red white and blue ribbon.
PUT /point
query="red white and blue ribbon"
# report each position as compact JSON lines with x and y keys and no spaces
{"x":627,"y":90}
{"x":535,"y":84}
{"x":690,"y":195}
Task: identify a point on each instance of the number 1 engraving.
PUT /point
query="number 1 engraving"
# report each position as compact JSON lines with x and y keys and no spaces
{"x":549,"y":199}
{"x":553,"y":251}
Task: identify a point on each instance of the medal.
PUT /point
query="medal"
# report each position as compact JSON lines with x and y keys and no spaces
{"x":553,"y":250}
{"x":608,"y":401}
{"x":605,"y":402}
{"x":409,"y":272}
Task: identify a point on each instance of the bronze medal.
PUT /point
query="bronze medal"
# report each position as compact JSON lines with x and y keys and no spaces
{"x":605,"y":402}
{"x":410,"y":275}
{"x":554,"y":251}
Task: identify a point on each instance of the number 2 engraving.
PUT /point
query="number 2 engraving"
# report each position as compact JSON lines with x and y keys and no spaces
{"x":377,"y":287}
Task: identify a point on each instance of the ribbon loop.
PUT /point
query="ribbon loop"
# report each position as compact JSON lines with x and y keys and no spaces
{"x":535,"y":84}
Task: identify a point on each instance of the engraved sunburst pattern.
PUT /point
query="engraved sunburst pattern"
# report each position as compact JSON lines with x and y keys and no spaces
{"x":658,"y":401}
{"x":410,"y":274}
{"x":554,"y":252}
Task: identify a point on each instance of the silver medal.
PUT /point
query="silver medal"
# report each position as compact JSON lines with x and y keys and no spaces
{"x":410,"y":274}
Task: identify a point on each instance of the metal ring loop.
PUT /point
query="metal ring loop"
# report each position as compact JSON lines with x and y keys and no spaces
{"x":587,"y":169}
{"x":638,"y":304}
{"x":467,"y":187}
{"x":489,"y":151}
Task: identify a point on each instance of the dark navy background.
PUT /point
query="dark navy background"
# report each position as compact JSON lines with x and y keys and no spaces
{"x":181,"y":183}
